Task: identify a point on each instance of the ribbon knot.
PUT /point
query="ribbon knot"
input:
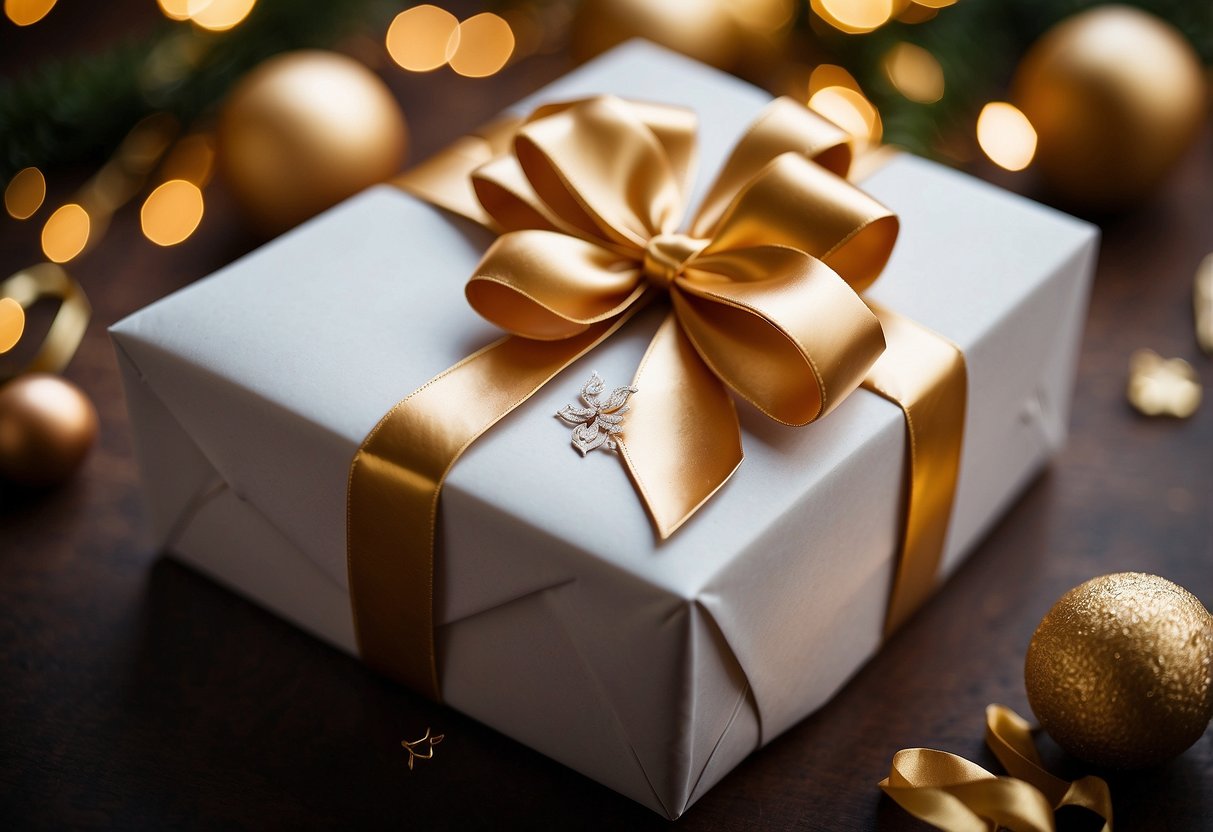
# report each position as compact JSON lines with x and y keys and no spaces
{"x":666,"y":255}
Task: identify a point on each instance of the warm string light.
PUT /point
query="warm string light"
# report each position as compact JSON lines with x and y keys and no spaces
{"x":75,"y":226}
{"x":835,"y":94}
{"x":174,"y":209}
{"x":212,"y":15}
{"x":66,"y":233}
{"x":1006,"y":136}
{"x":915,"y":73}
{"x":24,"y":194}
{"x":485,"y":44}
{"x":855,"y":16}
{"x":171,"y":212}
{"x":851,"y":111}
{"x":27,"y":12}
{"x":12,"y":324}
{"x":425,"y":38}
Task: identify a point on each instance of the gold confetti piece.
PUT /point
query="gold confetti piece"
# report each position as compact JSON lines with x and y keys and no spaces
{"x":1202,"y":299}
{"x":1162,"y":386}
{"x":428,"y":741}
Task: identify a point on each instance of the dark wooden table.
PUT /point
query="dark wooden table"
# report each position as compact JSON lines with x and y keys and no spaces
{"x":136,"y":694}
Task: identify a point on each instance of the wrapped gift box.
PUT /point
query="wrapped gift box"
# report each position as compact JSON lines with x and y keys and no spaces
{"x":651,"y":667}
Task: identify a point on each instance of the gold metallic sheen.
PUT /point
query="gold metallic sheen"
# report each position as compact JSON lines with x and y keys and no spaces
{"x":1120,"y":671}
{"x":956,"y":795}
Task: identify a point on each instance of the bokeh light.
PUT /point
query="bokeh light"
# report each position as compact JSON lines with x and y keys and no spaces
{"x":221,"y":15}
{"x":423,"y":38}
{"x":1006,"y":135}
{"x":181,"y":9}
{"x":66,"y":233}
{"x":850,"y":110}
{"x":485,"y":45}
{"x":831,"y":75}
{"x":12,"y":323}
{"x":915,"y":73}
{"x":854,"y":16}
{"x":768,"y":16}
{"x":27,"y":12}
{"x":171,"y":212}
{"x":191,"y":159}
{"x":934,"y":4}
{"x":24,"y":194}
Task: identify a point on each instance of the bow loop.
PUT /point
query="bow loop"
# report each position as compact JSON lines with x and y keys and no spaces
{"x":795,"y":202}
{"x":601,"y":169}
{"x":780,"y":328}
{"x":549,"y":286}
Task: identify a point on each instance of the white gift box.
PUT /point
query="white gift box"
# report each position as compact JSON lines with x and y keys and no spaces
{"x":654,"y":668}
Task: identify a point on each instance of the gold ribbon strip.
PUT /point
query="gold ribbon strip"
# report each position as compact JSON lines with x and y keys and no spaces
{"x":49,"y":281}
{"x":763,"y":294}
{"x":956,"y":795}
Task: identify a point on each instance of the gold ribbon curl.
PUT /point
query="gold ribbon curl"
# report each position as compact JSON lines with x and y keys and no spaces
{"x":763,"y":293}
{"x":49,"y":281}
{"x":956,"y":795}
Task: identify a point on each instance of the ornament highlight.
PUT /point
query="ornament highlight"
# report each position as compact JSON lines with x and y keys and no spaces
{"x":1116,"y":96}
{"x":302,"y":132}
{"x":1120,"y":671}
{"x":47,"y":426}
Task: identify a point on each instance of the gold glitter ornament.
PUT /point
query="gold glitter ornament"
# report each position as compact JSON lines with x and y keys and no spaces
{"x":1116,"y":95}
{"x":302,"y":132}
{"x":1120,"y":671}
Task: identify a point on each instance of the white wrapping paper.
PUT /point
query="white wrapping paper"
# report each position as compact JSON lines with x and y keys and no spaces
{"x":653,"y":668}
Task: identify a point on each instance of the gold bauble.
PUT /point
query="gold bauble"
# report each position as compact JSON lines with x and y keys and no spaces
{"x":47,"y":426}
{"x":1120,"y":671}
{"x":1116,"y":96}
{"x":302,"y":132}
{"x":723,"y":33}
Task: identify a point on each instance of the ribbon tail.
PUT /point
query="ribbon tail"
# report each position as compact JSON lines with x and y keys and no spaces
{"x":1010,"y":738}
{"x":396,"y":480}
{"x":924,"y":374}
{"x":682,"y":440}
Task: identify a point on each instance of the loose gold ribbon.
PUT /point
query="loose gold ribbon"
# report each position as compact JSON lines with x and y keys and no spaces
{"x":764,"y":300}
{"x":50,"y":281}
{"x":956,"y":795}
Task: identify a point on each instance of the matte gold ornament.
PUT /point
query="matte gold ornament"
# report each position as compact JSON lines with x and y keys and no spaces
{"x":1120,"y":671}
{"x":1163,"y":386}
{"x":302,"y":132}
{"x":723,"y":33}
{"x":47,"y":426}
{"x":1116,"y":96}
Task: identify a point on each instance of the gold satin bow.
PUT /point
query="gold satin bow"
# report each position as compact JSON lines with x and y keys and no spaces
{"x":764,"y":295}
{"x":763,"y":288}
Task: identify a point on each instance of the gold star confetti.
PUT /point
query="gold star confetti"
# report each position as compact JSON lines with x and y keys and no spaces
{"x":1202,"y":298}
{"x":1162,"y":386}
{"x":427,"y":742}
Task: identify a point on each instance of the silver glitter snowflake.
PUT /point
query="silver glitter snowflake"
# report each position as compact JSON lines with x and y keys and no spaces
{"x":597,"y":424}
